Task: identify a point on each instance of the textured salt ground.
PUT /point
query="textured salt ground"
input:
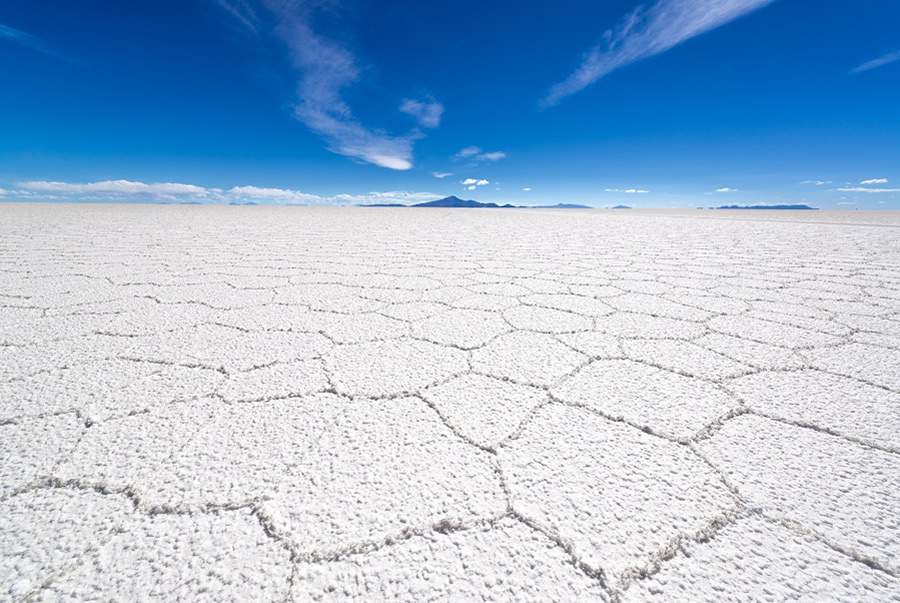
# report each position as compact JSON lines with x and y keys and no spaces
{"x":465,"y":405}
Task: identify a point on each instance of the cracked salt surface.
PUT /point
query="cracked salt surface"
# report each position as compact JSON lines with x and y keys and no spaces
{"x":465,"y":405}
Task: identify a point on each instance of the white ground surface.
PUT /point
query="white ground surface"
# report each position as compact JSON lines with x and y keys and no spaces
{"x":322,"y":404}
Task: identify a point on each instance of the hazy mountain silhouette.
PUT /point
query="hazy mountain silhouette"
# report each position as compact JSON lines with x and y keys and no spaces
{"x":795,"y":206}
{"x":454,"y":201}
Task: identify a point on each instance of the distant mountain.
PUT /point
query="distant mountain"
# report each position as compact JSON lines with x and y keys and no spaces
{"x":453,"y":201}
{"x":621,"y":207}
{"x":796,"y":206}
{"x":381,"y":205}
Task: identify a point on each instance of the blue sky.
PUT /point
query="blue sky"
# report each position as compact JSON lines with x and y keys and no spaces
{"x":670,"y":103}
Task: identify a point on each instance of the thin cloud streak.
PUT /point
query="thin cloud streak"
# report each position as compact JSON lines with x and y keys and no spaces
{"x":427,"y":113}
{"x":628,"y":191}
{"x":325,"y":69}
{"x":891,"y":57}
{"x":646,"y":32}
{"x":114,"y":187}
{"x":477,"y":154}
{"x":29,"y":41}
{"x":864,"y":189}
{"x":242,"y":11}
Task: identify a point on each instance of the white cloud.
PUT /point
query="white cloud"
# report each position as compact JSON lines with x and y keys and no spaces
{"x":726,"y":189}
{"x":473,"y":183}
{"x":492,"y":156}
{"x":130,"y":190}
{"x":476,"y":154}
{"x":441,"y":175}
{"x":272,"y":195}
{"x":629,"y":191}
{"x":881,"y":61}
{"x":646,"y":32}
{"x":875,"y":181}
{"x":527,"y":189}
{"x":124,"y":188}
{"x":865,"y":189}
{"x":325,"y":70}
{"x":427,"y":113}
{"x":817,"y":182}
{"x":383,"y":197}
{"x":468,"y":152}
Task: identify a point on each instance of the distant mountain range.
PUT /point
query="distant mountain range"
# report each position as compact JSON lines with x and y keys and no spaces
{"x":797,"y":206}
{"x":453,"y":201}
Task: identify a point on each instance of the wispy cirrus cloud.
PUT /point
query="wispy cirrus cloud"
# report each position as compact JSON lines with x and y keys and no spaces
{"x":242,"y":11}
{"x":726,"y":189}
{"x":874,"y":181}
{"x":817,"y":182}
{"x":887,"y":59}
{"x":866,"y":189}
{"x":29,"y":41}
{"x":474,"y":153}
{"x":178,"y":192}
{"x":427,"y":113}
{"x":325,"y":70}
{"x":441,"y":175}
{"x":467,"y":152}
{"x":646,"y":32}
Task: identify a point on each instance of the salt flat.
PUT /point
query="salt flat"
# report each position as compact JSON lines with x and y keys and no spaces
{"x":257,"y":403}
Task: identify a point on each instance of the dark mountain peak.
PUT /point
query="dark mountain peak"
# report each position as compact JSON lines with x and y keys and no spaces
{"x":454,"y":201}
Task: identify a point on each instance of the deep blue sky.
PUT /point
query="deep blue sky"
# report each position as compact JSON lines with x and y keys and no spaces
{"x":767,"y":98}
